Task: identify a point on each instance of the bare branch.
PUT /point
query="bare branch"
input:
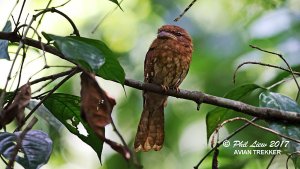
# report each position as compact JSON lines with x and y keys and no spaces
{"x":282,"y":58}
{"x":3,"y":160}
{"x":54,"y":76}
{"x":262,"y":64}
{"x":63,"y":4}
{"x":271,"y":161}
{"x":53,"y":10}
{"x":21,"y":11}
{"x":287,"y":160}
{"x":259,"y":126}
{"x":51,"y":92}
{"x":104,"y":17}
{"x":220,"y":143}
{"x":185,"y":10}
{"x":132,"y":153}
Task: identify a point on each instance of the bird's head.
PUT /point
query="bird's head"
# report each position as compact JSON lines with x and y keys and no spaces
{"x":174,"y":32}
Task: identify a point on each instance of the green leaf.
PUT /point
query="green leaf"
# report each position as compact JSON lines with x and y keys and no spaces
{"x":84,"y":54}
{"x":219,"y":114}
{"x":4,"y":43}
{"x":91,"y":54}
{"x":111,"y":70}
{"x":117,"y":3}
{"x":36,"y":146}
{"x":45,"y":114}
{"x":66,"y":108}
{"x":281,"y":102}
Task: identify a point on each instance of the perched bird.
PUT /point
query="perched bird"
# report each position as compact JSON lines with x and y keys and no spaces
{"x":166,"y":64}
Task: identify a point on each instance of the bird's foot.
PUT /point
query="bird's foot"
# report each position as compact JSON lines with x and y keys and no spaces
{"x":165,"y":88}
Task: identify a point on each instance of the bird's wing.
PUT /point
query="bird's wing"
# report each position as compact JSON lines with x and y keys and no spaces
{"x":149,"y":63}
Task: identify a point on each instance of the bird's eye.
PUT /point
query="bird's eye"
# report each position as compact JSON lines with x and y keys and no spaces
{"x":178,"y":33}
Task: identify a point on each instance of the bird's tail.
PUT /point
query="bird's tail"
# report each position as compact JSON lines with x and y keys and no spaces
{"x":150,"y":133}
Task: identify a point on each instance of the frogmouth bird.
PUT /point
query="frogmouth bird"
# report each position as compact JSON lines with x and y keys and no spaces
{"x":166,"y":64}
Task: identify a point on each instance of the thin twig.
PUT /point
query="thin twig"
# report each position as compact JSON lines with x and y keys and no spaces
{"x":40,"y":20}
{"x":271,"y":161}
{"x":54,"y":76}
{"x":132,"y":153}
{"x":258,"y":126}
{"x":41,"y":95}
{"x":32,"y":28}
{"x":220,"y":143}
{"x":52,"y":91}
{"x":53,"y":10}
{"x":9,"y":76}
{"x":287,"y":160}
{"x":119,"y":134}
{"x":65,"y":3}
{"x":104,"y":17}
{"x":10,"y":14}
{"x":279,"y":82}
{"x":20,"y":14}
{"x":281,"y":57}
{"x":3,"y":160}
{"x":19,"y":79}
{"x":48,"y":67}
{"x":23,"y":58}
{"x":26,"y":48}
{"x":42,"y":87}
{"x":185,"y":10}
{"x":36,"y":28}
{"x":262,"y":64}
{"x":49,"y":94}
{"x":21,"y":44}
{"x":23,"y":28}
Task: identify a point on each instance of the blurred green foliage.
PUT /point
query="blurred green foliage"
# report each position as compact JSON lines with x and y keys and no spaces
{"x":221,"y":31}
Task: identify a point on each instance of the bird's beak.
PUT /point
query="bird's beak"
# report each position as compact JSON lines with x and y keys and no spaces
{"x":164,"y":34}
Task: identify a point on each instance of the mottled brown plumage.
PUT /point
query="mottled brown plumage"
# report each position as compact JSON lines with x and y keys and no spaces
{"x":167,"y":63}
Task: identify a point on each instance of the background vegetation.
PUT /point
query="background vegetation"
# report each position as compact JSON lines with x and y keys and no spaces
{"x":221,"y":30}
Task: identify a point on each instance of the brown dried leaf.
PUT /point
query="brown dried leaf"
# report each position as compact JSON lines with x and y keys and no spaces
{"x":96,"y":106}
{"x":17,"y":107}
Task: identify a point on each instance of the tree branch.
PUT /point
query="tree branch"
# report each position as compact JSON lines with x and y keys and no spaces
{"x":198,"y":97}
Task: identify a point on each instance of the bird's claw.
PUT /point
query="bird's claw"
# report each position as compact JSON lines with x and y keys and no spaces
{"x":177,"y":89}
{"x":165,"y":88}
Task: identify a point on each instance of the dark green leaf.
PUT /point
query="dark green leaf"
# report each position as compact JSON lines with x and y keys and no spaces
{"x":84,"y":54}
{"x":36,"y":146}
{"x":219,"y":114}
{"x":4,"y":43}
{"x":111,"y":70}
{"x":117,"y":3}
{"x":91,"y":54}
{"x":66,"y":108}
{"x":45,"y":114}
{"x":281,"y":102}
